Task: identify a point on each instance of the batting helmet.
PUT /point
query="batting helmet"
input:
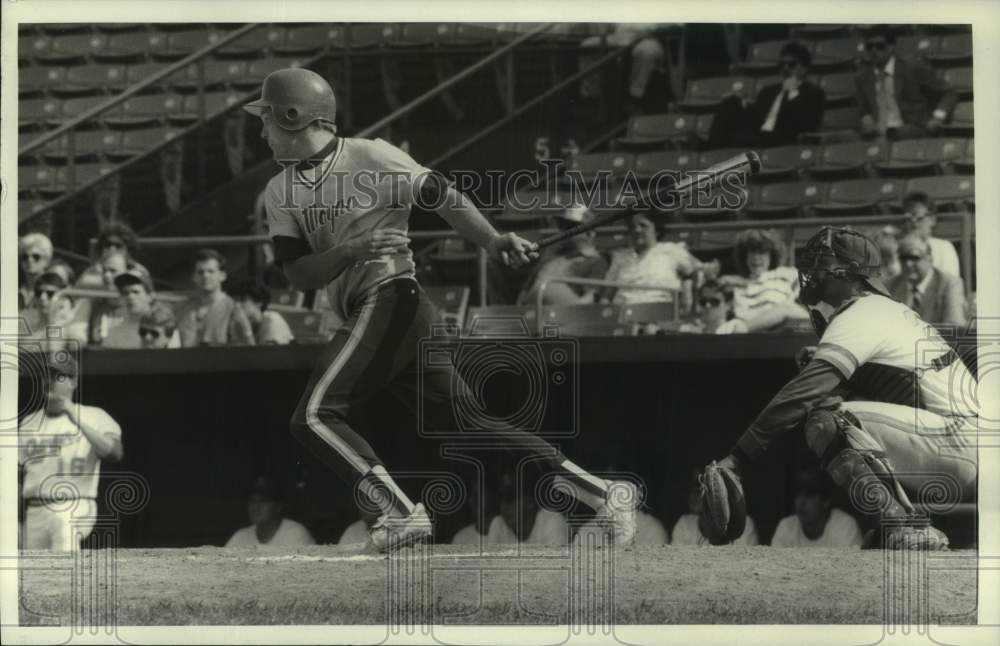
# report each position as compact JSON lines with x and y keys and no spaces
{"x":296,"y":97}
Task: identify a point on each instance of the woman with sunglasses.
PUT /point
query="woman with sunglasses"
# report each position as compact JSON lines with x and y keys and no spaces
{"x":115,"y":237}
{"x":35,"y":254}
{"x":715,"y":312}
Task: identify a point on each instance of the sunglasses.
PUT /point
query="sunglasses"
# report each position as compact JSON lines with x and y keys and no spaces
{"x":710,"y":302}
{"x":788,"y":62}
{"x":151,"y":332}
{"x":880,"y":45}
{"x":39,"y":291}
{"x":911,"y":257}
{"x":113,"y":244}
{"x":34,"y":257}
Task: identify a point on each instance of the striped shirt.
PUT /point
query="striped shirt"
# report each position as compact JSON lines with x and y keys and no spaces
{"x":774,"y":287}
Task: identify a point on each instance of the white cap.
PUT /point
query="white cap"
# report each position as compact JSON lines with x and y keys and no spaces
{"x":576,"y":213}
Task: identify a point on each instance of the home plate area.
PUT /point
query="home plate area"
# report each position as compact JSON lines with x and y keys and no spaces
{"x":454,"y":585}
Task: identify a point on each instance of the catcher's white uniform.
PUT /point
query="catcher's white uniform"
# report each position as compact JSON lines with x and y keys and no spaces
{"x":61,"y":471}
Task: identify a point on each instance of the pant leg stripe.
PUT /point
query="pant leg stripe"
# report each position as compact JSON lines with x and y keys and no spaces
{"x":312,"y":409}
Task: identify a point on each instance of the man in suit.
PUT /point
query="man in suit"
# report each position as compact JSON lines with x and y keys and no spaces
{"x":899,"y":98}
{"x":938,"y":297}
{"x":781,"y":111}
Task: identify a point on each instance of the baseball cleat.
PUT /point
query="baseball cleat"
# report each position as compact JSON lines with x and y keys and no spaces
{"x":392,"y":533}
{"x":618,"y":512}
{"x":916,"y":538}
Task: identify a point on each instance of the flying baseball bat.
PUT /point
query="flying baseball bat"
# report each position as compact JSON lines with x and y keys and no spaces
{"x":747,"y":162}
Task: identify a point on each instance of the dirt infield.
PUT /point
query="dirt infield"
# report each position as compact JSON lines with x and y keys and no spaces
{"x":452,"y":585}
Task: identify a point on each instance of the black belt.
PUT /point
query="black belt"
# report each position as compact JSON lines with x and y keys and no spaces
{"x":42,"y":502}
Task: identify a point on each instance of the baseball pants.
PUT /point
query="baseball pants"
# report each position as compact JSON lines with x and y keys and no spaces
{"x":376,"y":350}
{"x":58,"y":526}
{"x":922,"y":446}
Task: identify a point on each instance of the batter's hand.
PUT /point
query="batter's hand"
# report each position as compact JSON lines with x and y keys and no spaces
{"x":513,"y":250}
{"x":374,"y":244}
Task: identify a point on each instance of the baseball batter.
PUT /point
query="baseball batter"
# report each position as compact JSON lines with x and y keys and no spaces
{"x":908,"y":423}
{"x":61,"y":449}
{"x":338,"y":217}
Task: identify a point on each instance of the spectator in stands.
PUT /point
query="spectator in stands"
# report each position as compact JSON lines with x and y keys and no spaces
{"x":158,"y":328}
{"x":269,"y":327}
{"x":521,"y":520}
{"x":50,"y":318}
{"x":648,"y":531}
{"x":815,"y":522}
{"x":938,"y":297}
{"x":575,"y":258}
{"x":104,"y":313}
{"x":136,"y":290}
{"x":35,"y":253}
{"x":899,"y":98}
{"x":765,"y":290}
{"x":686,"y":530}
{"x":648,"y":55}
{"x":715,"y":312}
{"x":211,"y":317}
{"x":919,"y":209}
{"x":475,"y":532}
{"x":887,"y":240}
{"x":650,"y":262}
{"x":779,"y":114}
{"x":115,"y":236}
{"x":269,"y":528}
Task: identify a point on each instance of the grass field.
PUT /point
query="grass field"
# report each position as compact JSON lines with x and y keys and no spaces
{"x":453,"y":585}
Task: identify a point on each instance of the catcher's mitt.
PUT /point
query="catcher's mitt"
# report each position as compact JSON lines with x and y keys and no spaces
{"x":723,"y":508}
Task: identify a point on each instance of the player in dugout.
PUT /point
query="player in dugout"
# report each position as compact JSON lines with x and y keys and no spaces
{"x":338,"y":214}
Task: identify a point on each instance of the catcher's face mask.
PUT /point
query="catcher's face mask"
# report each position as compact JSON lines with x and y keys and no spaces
{"x":837,"y":254}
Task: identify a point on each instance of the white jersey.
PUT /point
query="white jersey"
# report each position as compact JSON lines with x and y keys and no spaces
{"x":550,"y":528}
{"x":363,"y":185}
{"x":58,"y":459}
{"x":289,"y":534}
{"x":841,"y":531}
{"x":888,"y":354}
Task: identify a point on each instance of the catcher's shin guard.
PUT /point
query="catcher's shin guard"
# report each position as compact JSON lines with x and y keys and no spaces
{"x":857,"y":464}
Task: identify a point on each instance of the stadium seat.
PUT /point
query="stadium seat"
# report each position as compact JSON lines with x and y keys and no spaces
{"x":27,"y":208}
{"x":302,"y":40}
{"x":471,"y":34}
{"x":138,"y":142}
{"x":133,"y":46}
{"x":959,"y":78}
{"x":589,"y":165}
{"x":38,"y":78}
{"x":183,"y":43}
{"x":649,"y":312}
{"x":961,"y":123}
{"x":450,"y":301}
{"x":73,"y":108}
{"x":31,"y":111}
{"x":218,"y":74}
{"x":967,"y":162}
{"x":648,"y":164}
{"x":705,"y":94}
{"x":532,"y":208}
{"x":146,"y":109}
{"x":840,"y":88}
{"x":34,"y":178}
{"x":142,"y":71}
{"x":835,"y":53}
{"x":119,"y":27}
{"x":31,"y":45}
{"x":945,"y":189}
{"x":703,"y":126}
{"x":215,"y":102}
{"x":786,"y":199}
{"x":762,"y":59}
{"x":849,"y":157}
{"x":258,"y":70}
{"x":262,"y":39}
{"x":956,"y":49}
{"x":656,"y":129}
{"x":710,"y":157}
{"x":854,"y":196}
{"x":785,"y":161}
{"x":86,"y":144}
{"x":358,"y":35}
{"x":416,"y":34}
{"x":911,"y":46}
{"x":85,"y":174}
{"x":501,"y":320}
{"x":73,"y":47}
{"x":911,"y":156}
{"x":60,"y":28}
{"x":93,"y":78}
{"x":839,"y":124}
{"x":287,"y":297}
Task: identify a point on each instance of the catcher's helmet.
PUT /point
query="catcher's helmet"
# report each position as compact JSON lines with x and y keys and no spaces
{"x":841,"y":251}
{"x":296,"y":97}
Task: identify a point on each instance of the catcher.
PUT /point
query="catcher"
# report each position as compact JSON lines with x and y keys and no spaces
{"x":906,"y":430}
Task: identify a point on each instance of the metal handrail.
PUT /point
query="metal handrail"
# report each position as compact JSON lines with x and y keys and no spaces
{"x":592,"y":282}
{"x":135,"y":89}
